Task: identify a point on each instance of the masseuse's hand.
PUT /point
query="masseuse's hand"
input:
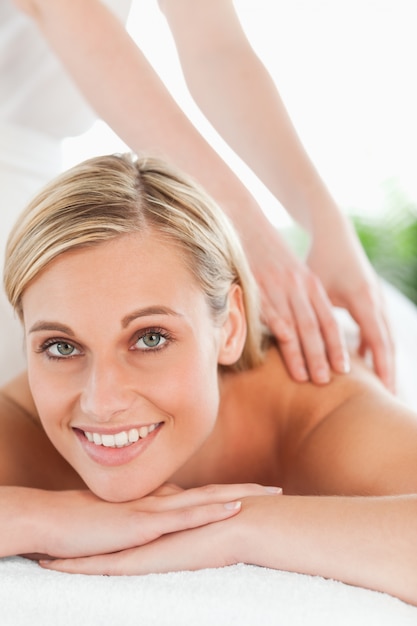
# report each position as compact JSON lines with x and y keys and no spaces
{"x":78,"y":523}
{"x":211,"y":545}
{"x":351,"y":283}
{"x":298,"y":299}
{"x":296,"y":309}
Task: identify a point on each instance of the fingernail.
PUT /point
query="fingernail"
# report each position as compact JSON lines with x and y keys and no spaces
{"x":283,"y":331}
{"x":346,"y":366}
{"x":302,"y":373}
{"x":322,"y":375}
{"x":274,"y":490}
{"x":233,"y":506}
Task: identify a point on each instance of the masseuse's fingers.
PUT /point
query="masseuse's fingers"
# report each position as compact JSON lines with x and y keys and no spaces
{"x":368,"y":312}
{"x":320,"y":335}
{"x":301,"y":316}
{"x":295,"y":307}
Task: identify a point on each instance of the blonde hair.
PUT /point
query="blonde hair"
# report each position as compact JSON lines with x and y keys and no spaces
{"x":109,"y":196}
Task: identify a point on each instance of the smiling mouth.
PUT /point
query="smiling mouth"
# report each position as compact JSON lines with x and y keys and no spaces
{"x":122,"y":439}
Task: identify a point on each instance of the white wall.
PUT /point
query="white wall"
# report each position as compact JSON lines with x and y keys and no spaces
{"x":346,"y":70}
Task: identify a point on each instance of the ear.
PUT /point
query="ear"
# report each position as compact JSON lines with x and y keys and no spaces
{"x":233,"y":331}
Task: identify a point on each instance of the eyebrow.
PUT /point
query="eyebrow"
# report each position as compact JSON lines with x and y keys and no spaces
{"x":150,"y":310}
{"x":128,"y":319}
{"x":51,"y":326}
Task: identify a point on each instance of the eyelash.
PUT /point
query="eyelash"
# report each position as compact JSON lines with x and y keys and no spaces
{"x":153,"y":331}
{"x":53,"y":341}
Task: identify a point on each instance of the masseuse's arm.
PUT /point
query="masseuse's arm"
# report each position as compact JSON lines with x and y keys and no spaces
{"x":116,"y":78}
{"x":234,"y":90}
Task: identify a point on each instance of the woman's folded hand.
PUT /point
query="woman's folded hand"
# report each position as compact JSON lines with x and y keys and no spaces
{"x":76,"y":523}
{"x":188,"y":548}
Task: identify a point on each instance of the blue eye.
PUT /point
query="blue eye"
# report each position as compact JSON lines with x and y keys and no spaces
{"x":151,"y":340}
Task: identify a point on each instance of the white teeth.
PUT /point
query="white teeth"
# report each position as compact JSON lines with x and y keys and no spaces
{"x":108,"y":441}
{"x":133,"y":435}
{"x":121,"y":439}
{"x":143,"y":432}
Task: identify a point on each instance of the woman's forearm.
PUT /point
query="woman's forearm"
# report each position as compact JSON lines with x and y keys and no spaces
{"x":69,"y":524}
{"x":368,"y":542}
{"x":19,"y":529}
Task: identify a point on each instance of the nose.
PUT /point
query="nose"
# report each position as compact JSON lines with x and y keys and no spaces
{"x":107,"y":391}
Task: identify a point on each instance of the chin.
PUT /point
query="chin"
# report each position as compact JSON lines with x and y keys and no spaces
{"x":112,"y":490}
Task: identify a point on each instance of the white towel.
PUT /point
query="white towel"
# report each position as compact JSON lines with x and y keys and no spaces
{"x":240,"y":595}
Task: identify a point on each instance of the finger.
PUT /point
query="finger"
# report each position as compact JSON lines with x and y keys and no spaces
{"x":145,"y":527}
{"x":151,"y":526}
{"x":282,"y":326}
{"x":156,"y":524}
{"x":192,"y":549}
{"x":385,"y":365}
{"x":166,"y":554}
{"x":103,"y":565}
{"x":332,"y":335}
{"x":207,"y":494}
{"x":376,"y":336}
{"x":310,"y":334}
{"x":383,"y":357}
{"x":166,"y":489}
{"x":312,"y":342}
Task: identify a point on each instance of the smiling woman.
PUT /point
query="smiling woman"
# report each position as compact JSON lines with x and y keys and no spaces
{"x":119,"y":370}
{"x":156,"y":386}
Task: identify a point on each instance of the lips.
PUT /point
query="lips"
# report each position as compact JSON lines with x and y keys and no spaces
{"x":116,"y":448}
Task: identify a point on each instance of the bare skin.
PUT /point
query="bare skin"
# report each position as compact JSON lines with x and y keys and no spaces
{"x":221,"y":69}
{"x":297,"y":447}
{"x":27,"y":456}
{"x":91,"y":371}
{"x":277,"y":447}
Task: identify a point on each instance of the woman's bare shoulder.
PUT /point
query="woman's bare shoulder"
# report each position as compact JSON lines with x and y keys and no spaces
{"x":27,"y":457}
{"x":18,"y":392}
{"x":351,"y":436}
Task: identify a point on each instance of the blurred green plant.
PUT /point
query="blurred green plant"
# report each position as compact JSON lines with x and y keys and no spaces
{"x":388,"y":238}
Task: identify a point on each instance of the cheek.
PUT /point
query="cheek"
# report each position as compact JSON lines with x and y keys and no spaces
{"x":51,"y":399}
{"x":198,"y":394}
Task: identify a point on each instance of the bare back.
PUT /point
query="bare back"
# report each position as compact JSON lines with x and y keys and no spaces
{"x":350,"y":437}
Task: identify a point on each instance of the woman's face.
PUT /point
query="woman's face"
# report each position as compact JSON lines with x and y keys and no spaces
{"x":122,"y":359}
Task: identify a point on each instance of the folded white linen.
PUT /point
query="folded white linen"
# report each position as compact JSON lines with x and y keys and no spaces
{"x":240,"y":595}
